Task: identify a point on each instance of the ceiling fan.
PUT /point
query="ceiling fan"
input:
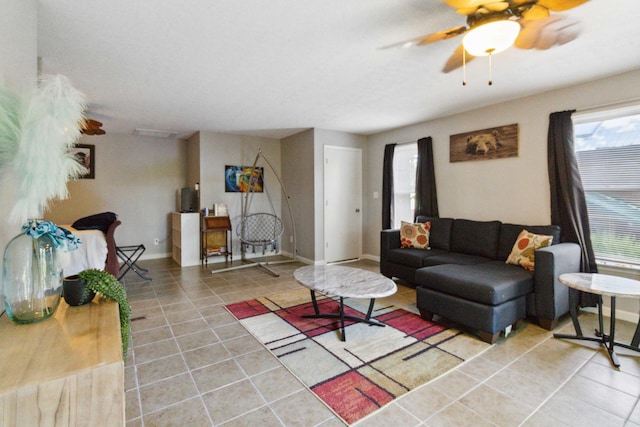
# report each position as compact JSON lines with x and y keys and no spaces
{"x":92,"y":127}
{"x":493,"y":26}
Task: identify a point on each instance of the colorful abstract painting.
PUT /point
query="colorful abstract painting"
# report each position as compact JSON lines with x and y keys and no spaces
{"x":241,"y":179}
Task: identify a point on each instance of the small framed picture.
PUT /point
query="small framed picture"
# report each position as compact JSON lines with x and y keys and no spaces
{"x":86,"y":156}
{"x":220,"y":209}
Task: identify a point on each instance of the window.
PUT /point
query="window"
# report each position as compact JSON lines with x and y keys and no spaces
{"x":405,"y":161}
{"x":608,"y":154}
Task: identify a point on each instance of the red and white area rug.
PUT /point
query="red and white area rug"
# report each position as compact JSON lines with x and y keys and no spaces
{"x":374,"y":366}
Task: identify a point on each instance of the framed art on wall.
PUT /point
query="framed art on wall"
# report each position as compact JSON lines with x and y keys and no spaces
{"x":238,"y":179}
{"x":85,"y":154}
{"x":492,"y":143}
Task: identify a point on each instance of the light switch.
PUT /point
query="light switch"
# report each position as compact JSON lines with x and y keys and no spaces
{"x":375,"y":194}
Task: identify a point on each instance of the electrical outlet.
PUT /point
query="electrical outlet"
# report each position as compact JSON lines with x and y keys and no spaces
{"x":156,"y":241}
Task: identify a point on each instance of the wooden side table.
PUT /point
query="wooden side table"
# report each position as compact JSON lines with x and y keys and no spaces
{"x":601,"y":284}
{"x":216,"y":237}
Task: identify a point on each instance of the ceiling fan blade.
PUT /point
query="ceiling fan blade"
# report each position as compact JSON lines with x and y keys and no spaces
{"x":440,"y":35}
{"x":535,"y":12}
{"x":497,"y":6}
{"x":487,"y":8}
{"x":455,"y":60}
{"x":429,"y":38}
{"x":465,"y":4}
{"x":560,"y":5}
{"x":91,"y":127}
{"x":545,"y":33}
{"x":91,"y":124}
{"x":94,"y":123}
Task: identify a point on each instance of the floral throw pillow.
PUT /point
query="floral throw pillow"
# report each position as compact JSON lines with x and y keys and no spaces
{"x":414,"y":235}
{"x":523,"y":250}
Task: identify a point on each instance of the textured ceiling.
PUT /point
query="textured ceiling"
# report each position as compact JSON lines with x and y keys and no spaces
{"x":271,"y":68}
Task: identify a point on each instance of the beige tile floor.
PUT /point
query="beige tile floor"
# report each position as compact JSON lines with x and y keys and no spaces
{"x":192,"y":364}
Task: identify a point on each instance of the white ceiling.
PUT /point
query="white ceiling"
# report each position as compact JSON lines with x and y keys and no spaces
{"x":272,"y":68}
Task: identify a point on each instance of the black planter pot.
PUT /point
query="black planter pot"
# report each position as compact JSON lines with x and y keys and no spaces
{"x":73,"y":288}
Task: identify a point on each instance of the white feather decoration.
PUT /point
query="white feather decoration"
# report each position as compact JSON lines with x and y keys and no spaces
{"x":9,"y":126}
{"x":50,"y":125}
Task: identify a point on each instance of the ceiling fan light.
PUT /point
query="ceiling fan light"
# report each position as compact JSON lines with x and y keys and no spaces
{"x":491,"y":38}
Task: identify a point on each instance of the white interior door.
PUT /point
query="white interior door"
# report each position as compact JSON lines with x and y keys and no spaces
{"x":342,"y":203}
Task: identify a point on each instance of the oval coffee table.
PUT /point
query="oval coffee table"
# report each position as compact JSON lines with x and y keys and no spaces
{"x":344,"y":282}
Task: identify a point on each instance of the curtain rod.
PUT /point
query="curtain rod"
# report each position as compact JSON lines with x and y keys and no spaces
{"x":620,"y":104}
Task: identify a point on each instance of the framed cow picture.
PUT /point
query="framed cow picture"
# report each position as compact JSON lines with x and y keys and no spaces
{"x":493,"y":143}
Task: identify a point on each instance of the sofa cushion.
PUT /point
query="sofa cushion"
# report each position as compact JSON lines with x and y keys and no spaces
{"x":453,"y":258}
{"x":414,"y":235}
{"x":509,"y":233}
{"x":440,"y":234}
{"x":475,"y":237}
{"x":491,"y":283}
{"x":523,"y":252}
{"x":410,"y":256}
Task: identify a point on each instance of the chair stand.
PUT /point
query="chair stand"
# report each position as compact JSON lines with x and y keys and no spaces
{"x":263,"y":265}
{"x":135,"y":251}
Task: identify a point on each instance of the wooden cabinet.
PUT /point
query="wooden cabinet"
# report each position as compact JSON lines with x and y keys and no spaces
{"x":215,"y":237}
{"x":63,"y":371}
{"x":184,"y":236}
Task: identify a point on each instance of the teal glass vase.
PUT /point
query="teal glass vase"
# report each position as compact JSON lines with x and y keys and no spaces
{"x":31,"y":278}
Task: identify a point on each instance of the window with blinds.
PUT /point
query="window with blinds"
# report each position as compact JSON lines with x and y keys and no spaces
{"x":608,"y":155}
{"x":405,"y":161}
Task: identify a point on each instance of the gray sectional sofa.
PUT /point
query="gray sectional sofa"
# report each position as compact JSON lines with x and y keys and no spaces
{"x":463,"y":277}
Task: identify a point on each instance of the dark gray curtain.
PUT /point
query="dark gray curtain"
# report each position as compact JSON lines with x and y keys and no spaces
{"x":387,"y":187}
{"x":568,"y":204}
{"x":426,"y":197}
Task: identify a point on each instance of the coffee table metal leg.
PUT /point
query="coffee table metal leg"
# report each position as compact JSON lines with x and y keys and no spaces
{"x":373,"y":300}
{"x":344,"y":338}
{"x":315,"y":302}
{"x":342,"y":315}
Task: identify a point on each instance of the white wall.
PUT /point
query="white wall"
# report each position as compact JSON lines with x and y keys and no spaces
{"x":18,"y":73}
{"x":513,"y":189}
{"x":137,"y":178}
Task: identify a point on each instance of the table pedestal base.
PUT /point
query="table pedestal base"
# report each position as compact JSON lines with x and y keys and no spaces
{"x":607,"y":340}
{"x":367,"y":319}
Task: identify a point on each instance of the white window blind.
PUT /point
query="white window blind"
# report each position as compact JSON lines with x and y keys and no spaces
{"x":608,"y":155}
{"x":405,"y":160}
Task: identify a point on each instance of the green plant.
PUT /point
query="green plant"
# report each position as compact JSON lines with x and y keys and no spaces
{"x":106,"y":284}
